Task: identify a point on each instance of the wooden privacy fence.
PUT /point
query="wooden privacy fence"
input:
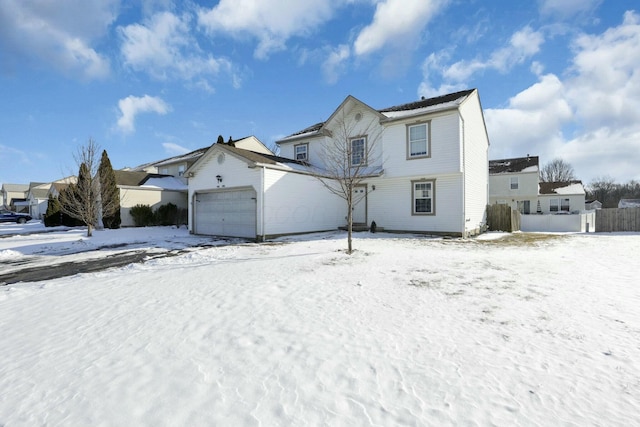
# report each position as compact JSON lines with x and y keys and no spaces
{"x":620,"y":219}
{"x":501,"y":217}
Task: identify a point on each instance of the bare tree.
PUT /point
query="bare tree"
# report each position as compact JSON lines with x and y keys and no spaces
{"x":82,"y":200}
{"x":557,"y":170}
{"x":349,"y":158}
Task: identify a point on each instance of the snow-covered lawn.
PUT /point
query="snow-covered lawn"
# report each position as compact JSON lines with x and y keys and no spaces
{"x":507,"y":330}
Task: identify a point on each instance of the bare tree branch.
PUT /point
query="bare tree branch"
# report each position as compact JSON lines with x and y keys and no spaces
{"x":349,"y":158}
{"x":557,"y":170}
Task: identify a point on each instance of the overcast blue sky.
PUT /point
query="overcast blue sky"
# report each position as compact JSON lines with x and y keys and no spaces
{"x":152,"y":79}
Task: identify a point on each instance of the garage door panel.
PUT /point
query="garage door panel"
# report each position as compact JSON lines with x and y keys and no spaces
{"x":226,"y":213}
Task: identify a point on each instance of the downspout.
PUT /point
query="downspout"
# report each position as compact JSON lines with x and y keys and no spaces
{"x":464,"y":177}
{"x":262,"y":196}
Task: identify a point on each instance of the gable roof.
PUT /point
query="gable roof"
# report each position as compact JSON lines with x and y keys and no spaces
{"x":564,"y":187}
{"x":250,"y":157}
{"x":629,"y":203}
{"x":15,"y":187}
{"x":518,"y":164}
{"x":425,"y":105}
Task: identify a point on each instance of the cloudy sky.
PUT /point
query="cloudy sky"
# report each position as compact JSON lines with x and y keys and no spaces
{"x":149,"y":79}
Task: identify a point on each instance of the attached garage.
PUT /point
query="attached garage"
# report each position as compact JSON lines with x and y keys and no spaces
{"x":229,"y":212}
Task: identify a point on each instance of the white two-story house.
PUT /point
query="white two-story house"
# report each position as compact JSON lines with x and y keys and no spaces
{"x":515,"y":182}
{"x":424,"y":167}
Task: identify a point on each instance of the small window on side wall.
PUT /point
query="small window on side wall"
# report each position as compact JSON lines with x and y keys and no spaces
{"x":301,"y":152}
{"x":418,"y":141}
{"x":422,"y":195}
{"x":553,"y":205}
{"x":514,"y":182}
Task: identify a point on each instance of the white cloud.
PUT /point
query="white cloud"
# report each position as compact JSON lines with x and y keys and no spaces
{"x":164,"y":48}
{"x":173,"y":149}
{"x":58,"y":33}
{"x":567,"y":8}
{"x":394,"y":22}
{"x":522,"y":45}
{"x":590,"y":119}
{"x":272,"y":22}
{"x":131,"y":106}
{"x":334,"y":65}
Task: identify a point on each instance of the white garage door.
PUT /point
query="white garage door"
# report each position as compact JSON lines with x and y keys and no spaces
{"x":226,"y":213}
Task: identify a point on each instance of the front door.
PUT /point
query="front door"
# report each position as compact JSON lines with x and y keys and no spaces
{"x":360,"y":205}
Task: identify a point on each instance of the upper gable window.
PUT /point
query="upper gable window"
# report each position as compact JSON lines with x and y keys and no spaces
{"x":418,"y":143}
{"x":358,"y":151}
{"x":181,"y":169}
{"x":301,"y":152}
{"x":514,"y":182}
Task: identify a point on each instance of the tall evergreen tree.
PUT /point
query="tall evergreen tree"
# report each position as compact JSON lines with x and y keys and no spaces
{"x":53,"y":216}
{"x":109,"y":193}
{"x":220,"y":140}
{"x":231,"y":142}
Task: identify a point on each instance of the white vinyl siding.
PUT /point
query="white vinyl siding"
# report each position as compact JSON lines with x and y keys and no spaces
{"x":154,"y":197}
{"x":297,"y":203}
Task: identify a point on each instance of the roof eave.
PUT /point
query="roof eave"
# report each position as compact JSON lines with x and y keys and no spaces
{"x":419,"y":114}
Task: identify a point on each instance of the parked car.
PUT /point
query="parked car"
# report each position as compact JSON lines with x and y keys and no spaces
{"x":8,"y":216}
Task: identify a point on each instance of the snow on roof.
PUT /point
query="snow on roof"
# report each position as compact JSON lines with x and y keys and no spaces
{"x":166,"y":183}
{"x":568,"y":187}
{"x":423,"y":110}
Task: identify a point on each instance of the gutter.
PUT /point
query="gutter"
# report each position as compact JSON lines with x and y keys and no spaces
{"x":262,"y":197}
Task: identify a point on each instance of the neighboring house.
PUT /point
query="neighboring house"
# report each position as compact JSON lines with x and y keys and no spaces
{"x":629,"y":203}
{"x":429,"y":174}
{"x":592,"y":205}
{"x":38,"y":198}
{"x":155,"y":190}
{"x":178,"y":165}
{"x":561,"y":197}
{"x":15,"y":197}
{"x":515,"y":182}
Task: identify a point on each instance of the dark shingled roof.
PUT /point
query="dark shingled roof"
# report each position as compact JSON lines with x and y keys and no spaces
{"x":403,"y":107}
{"x":551,"y":187}
{"x":260,"y":157}
{"x":443,"y":99}
{"x":512,"y":165}
{"x":134,"y":178}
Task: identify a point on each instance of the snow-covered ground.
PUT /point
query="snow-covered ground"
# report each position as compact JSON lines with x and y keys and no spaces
{"x":507,"y":330}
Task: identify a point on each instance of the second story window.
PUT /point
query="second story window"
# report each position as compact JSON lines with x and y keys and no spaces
{"x":514,"y":183}
{"x":418,"y":140}
{"x":301,"y":152}
{"x":358,"y":151}
{"x":181,"y":170}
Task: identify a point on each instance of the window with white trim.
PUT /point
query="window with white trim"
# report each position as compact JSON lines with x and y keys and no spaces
{"x":301,"y":152}
{"x":564,"y":205}
{"x":181,"y":169}
{"x":418,"y":140}
{"x":422,"y":197}
{"x":559,"y":205}
{"x":514,"y":182}
{"x":358,"y":151}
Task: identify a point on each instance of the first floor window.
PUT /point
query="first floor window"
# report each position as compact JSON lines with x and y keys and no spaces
{"x":423,"y":200}
{"x":302,"y":152}
{"x":358,"y":151}
{"x":559,"y":205}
